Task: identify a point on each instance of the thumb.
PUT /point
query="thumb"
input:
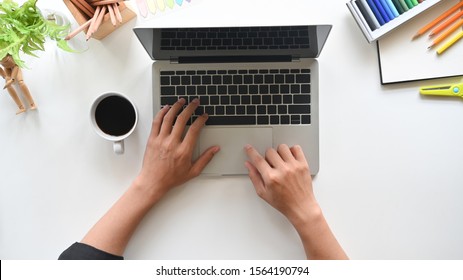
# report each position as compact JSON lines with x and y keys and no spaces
{"x":203,"y":160}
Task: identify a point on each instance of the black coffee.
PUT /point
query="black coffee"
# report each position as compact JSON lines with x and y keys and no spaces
{"x":115,"y":115}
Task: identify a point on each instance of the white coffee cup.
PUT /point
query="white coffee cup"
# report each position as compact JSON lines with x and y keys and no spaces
{"x":114,"y":117}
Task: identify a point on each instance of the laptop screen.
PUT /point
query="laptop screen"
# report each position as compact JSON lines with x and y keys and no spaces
{"x":254,"y":41}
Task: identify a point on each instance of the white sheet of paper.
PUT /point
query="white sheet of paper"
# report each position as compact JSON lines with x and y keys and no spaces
{"x":403,"y":59}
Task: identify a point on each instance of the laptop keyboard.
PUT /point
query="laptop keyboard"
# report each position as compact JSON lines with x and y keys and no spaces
{"x":242,"y":97}
{"x":235,"y":38}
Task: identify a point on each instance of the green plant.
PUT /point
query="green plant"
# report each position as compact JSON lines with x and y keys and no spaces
{"x":24,"y":29}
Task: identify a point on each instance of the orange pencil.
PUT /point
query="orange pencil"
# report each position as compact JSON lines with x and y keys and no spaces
{"x":446,"y":24}
{"x":437,"y":20}
{"x":446,"y":33}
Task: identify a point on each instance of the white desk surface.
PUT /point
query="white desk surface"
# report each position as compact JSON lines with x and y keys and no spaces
{"x":390,"y":182}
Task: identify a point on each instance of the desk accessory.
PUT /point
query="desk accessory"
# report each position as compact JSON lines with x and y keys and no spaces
{"x":98,"y":18}
{"x":376,"y":18}
{"x":24,"y":29}
{"x":444,"y":90}
{"x":114,"y":117}
{"x":455,"y":15}
{"x":402,"y":59}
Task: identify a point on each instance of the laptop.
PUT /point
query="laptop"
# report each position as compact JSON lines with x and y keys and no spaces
{"x":259,"y":85}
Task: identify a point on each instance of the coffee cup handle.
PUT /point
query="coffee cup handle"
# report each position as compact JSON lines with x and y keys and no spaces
{"x":118,"y":147}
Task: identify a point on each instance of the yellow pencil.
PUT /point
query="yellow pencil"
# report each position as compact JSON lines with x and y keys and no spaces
{"x":450,"y":43}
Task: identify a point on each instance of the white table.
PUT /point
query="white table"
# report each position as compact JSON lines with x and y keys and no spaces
{"x":390,"y":181}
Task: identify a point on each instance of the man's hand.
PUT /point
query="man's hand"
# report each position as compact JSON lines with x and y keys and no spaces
{"x":168,"y":160}
{"x":283,"y":180}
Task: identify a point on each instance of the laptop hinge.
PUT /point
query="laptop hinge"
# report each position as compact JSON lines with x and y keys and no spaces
{"x":231,"y":59}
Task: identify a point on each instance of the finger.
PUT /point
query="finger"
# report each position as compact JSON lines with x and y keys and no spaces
{"x":257,"y":160}
{"x":256,"y":179}
{"x":169,"y":118}
{"x":193,"y":132}
{"x":285,"y":153}
{"x":203,"y":160}
{"x":298,"y":153}
{"x":184,"y":117}
{"x":157,"y":121}
{"x":273,"y":158}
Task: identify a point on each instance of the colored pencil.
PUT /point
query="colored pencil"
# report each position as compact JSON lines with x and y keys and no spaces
{"x":444,"y":35}
{"x":437,"y":20}
{"x":117,"y":12}
{"x":112,"y":15}
{"x":450,"y":43}
{"x":446,"y":24}
{"x":77,"y":30}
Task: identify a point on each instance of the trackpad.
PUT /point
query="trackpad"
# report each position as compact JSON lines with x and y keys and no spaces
{"x":230,"y":160}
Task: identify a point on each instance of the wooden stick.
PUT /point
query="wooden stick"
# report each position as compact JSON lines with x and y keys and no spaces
{"x":117,"y":12}
{"x":111,"y":14}
{"x":82,"y":8}
{"x":77,"y":30}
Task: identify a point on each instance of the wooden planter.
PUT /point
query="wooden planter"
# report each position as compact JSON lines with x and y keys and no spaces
{"x":106,"y":26}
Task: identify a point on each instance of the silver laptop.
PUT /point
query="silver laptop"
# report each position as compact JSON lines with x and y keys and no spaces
{"x":259,"y":85}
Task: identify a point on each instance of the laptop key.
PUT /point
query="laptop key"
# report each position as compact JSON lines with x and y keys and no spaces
{"x":231,"y":120}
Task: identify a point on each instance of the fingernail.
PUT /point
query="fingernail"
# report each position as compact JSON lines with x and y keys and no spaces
{"x":216,"y":150}
{"x":247,"y":146}
{"x":196,"y":100}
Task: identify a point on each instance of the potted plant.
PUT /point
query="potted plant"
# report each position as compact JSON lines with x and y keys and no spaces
{"x":24,"y":30}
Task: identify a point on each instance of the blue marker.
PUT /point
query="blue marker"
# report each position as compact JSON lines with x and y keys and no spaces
{"x":393,"y":8}
{"x":179,"y":2}
{"x":376,"y":12}
{"x":381,"y":10}
{"x":387,"y":9}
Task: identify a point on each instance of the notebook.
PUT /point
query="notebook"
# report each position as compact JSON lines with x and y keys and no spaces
{"x":402,"y":59}
{"x":259,"y":85}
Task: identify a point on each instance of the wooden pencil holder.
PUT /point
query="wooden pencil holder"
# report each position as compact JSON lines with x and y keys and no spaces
{"x":106,"y":26}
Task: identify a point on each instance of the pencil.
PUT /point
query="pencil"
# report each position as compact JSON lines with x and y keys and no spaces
{"x":77,"y":30}
{"x":117,"y":12}
{"x":450,"y":43}
{"x":446,"y":24}
{"x":99,"y":20}
{"x":437,"y":20}
{"x":446,"y":33}
{"x":82,"y":8}
{"x":93,"y":22}
{"x":87,"y":6}
{"x":111,"y":14}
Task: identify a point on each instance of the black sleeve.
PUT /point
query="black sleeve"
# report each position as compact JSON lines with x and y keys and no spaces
{"x":80,"y":251}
